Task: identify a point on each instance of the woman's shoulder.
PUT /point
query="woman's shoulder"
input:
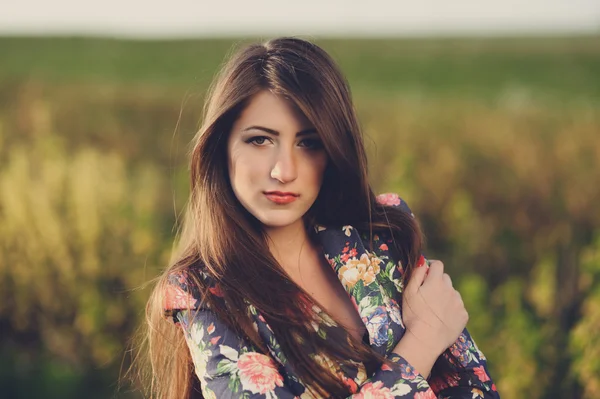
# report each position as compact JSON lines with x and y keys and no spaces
{"x":380,"y":227}
{"x":185,"y":289}
{"x":388,"y":200}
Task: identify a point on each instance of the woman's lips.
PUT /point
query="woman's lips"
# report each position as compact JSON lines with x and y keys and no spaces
{"x":283,"y":198}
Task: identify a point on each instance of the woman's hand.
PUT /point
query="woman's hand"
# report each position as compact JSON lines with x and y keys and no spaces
{"x":434,"y":316}
{"x":432,"y":310}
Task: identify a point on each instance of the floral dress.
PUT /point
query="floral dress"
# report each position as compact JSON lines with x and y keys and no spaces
{"x":228,"y":366}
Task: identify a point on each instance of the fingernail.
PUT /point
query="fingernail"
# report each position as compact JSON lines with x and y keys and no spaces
{"x":421,"y":261}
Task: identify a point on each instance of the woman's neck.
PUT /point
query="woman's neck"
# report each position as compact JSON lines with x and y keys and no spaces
{"x":291,"y":246}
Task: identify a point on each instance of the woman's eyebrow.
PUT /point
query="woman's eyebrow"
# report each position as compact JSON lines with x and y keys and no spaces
{"x":276,"y":133}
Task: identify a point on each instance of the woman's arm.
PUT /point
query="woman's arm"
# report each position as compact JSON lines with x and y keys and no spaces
{"x":471,"y":381}
{"x":228,"y":366}
{"x":434,"y":315}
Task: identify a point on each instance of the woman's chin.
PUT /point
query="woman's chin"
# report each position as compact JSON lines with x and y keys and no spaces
{"x":279,"y":222}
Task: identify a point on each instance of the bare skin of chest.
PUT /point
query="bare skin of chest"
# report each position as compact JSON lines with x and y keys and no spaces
{"x":324,"y":286}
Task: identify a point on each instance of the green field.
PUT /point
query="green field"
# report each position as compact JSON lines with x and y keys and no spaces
{"x":494,"y":143}
{"x":556,"y":67}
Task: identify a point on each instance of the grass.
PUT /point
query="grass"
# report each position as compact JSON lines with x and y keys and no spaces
{"x":555,"y":68}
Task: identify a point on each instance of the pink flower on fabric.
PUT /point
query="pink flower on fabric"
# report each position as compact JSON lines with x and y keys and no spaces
{"x":258,"y":374}
{"x":216,"y":291}
{"x":331,"y":262}
{"x":481,"y":374}
{"x":383,"y":247}
{"x":211,"y":328}
{"x":176,"y":298}
{"x":429,"y":394}
{"x":351,"y":254}
{"x":374,"y":391}
{"x":389,"y":199}
{"x":350,"y":383}
{"x":439,"y":382}
{"x":408,"y":372}
{"x":182,"y":277}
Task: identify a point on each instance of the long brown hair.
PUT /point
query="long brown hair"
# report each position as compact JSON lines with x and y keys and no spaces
{"x":226,"y":242}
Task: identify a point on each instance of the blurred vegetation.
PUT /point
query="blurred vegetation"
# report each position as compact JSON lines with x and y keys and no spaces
{"x":494,"y":143}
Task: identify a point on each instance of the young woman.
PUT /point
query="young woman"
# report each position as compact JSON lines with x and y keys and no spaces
{"x":292,"y":279}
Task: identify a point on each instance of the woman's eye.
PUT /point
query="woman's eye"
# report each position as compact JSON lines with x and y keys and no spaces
{"x":311,"y":143}
{"x":257,"y":140}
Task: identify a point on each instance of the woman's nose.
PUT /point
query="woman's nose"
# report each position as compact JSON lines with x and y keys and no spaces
{"x":284,"y":169}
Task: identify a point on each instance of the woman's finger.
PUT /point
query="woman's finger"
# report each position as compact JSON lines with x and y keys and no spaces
{"x":417,"y":277}
{"x":436,"y":269}
{"x":446,"y":278}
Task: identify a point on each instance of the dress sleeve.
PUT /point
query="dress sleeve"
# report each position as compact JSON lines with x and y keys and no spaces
{"x":227,"y":366}
{"x":469,"y":379}
{"x":180,"y":294}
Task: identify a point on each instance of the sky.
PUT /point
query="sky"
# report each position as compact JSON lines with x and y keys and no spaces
{"x":189,"y":18}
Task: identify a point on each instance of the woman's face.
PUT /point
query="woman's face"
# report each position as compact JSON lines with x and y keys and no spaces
{"x":276,"y":161}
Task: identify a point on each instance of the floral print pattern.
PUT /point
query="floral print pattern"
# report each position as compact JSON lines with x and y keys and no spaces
{"x":228,"y":366}
{"x":258,"y":373}
{"x":363,"y":269}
